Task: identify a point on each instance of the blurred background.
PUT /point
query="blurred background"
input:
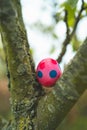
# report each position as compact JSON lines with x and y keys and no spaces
{"x":46,"y":31}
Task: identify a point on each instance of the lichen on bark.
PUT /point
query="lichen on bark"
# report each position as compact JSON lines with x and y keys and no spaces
{"x":54,"y":107}
{"x":20,"y":65}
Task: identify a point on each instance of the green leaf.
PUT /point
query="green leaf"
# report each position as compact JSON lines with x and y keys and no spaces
{"x":52,"y":50}
{"x":72,"y":3}
{"x":54,"y":35}
{"x":85,"y":5}
{"x":71,"y":13}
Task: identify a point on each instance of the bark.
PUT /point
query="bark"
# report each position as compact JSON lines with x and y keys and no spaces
{"x":51,"y":108}
{"x":20,"y":64}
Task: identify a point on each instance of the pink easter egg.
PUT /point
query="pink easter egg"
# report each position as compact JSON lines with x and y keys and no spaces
{"x":48,"y":72}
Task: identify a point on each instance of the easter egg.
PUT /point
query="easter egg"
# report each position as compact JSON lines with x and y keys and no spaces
{"x":48,"y":72}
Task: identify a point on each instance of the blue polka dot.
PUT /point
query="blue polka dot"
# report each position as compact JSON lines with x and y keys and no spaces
{"x":53,"y":73}
{"x":39,"y":74}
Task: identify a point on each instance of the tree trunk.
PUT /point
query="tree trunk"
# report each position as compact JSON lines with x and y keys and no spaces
{"x":20,"y":64}
{"x":29,"y":111}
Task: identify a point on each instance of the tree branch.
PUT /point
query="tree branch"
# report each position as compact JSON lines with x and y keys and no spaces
{"x":70,"y":35}
{"x":24,"y":96}
{"x":54,"y":107}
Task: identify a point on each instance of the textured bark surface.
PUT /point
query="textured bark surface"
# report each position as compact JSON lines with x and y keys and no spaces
{"x":19,"y":63}
{"x":51,"y":108}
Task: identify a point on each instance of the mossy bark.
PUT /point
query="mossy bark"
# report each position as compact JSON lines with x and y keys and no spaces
{"x":20,"y":64}
{"x":52,"y":107}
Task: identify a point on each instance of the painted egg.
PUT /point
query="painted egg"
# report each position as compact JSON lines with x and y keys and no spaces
{"x":48,"y":72}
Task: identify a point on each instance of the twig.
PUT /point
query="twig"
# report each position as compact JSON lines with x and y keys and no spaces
{"x":66,"y":21}
{"x":65,"y":43}
{"x":78,"y":18}
{"x":68,"y":34}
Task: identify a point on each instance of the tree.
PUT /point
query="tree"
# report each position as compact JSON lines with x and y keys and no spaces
{"x":32,"y":109}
